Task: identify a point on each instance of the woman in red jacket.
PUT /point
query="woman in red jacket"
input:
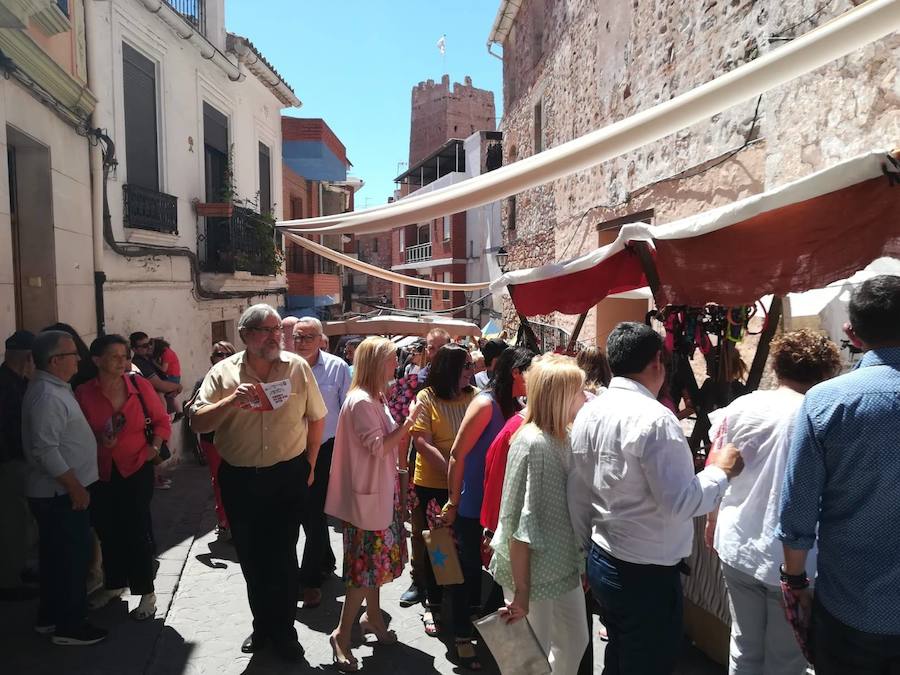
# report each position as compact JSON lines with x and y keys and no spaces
{"x":130,"y":424}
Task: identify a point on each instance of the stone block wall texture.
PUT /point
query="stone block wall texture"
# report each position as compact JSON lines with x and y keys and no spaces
{"x":440,"y":113}
{"x":580,"y":65}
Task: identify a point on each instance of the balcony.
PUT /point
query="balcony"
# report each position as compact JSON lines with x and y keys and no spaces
{"x":418,"y":253}
{"x":245,"y":242}
{"x":421,"y":303}
{"x":150,"y":210}
{"x":192,"y":11}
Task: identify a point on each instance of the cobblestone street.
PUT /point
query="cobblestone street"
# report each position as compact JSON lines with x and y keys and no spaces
{"x":202,"y":614}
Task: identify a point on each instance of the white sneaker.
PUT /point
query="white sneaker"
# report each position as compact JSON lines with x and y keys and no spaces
{"x":104,"y":597}
{"x":146,"y":609}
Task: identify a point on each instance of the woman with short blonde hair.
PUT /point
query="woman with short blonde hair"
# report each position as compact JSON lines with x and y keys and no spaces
{"x":363,"y":492}
{"x":537,"y":558}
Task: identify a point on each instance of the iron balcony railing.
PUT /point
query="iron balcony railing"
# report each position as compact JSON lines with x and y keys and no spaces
{"x":418,"y":253}
{"x":245,"y":242}
{"x":418,"y":302}
{"x":150,"y":210}
{"x":192,"y":11}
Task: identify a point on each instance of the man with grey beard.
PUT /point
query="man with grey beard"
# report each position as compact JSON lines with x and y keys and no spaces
{"x":266,"y":409}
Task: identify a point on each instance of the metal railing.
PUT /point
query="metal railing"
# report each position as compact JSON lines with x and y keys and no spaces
{"x":150,"y":210}
{"x":418,"y":253}
{"x":418,"y":302}
{"x":192,"y":11}
{"x":245,"y":242}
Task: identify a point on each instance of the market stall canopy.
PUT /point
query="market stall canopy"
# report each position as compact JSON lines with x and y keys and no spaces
{"x":797,"y":237}
{"x":391,"y":324}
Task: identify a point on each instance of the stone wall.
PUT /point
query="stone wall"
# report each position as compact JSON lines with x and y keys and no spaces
{"x":574,"y":66}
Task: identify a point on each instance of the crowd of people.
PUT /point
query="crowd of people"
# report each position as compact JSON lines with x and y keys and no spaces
{"x":569,"y":480}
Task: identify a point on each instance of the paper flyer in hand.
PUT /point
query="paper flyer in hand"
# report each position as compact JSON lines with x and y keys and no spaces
{"x":270,"y":395}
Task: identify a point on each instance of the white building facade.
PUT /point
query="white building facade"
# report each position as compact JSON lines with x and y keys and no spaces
{"x":194,"y":116}
{"x":46,"y":253}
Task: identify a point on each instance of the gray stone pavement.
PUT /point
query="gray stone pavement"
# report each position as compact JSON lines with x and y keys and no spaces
{"x":202,"y":615}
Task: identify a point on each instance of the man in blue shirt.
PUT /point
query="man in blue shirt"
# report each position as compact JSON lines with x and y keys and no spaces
{"x":333,"y":377}
{"x":842,"y":477}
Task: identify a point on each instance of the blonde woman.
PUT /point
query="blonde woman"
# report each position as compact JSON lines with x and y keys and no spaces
{"x":363,"y":492}
{"x":537,"y":559}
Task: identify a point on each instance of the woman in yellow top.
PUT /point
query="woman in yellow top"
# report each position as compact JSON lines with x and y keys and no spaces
{"x":442,"y":407}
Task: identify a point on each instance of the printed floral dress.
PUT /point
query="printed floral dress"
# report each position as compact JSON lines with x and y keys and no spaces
{"x":374,"y":558}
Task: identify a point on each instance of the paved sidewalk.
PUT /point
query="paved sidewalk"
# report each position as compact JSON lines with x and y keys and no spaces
{"x":202,"y":615}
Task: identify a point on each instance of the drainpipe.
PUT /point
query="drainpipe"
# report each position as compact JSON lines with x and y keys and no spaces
{"x":490,"y":46}
{"x":97,"y":178}
{"x":207,"y":50}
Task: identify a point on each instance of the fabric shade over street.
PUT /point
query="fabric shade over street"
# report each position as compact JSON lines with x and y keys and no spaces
{"x":390,"y":324}
{"x":800,"y":236}
{"x":855,"y":28}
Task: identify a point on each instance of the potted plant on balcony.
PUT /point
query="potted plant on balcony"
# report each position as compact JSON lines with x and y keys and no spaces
{"x":224,"y":208}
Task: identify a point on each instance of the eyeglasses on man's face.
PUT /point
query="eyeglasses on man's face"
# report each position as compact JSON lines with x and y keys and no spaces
{"x":62,"y":354}
{"x":274,"y":330}
{"x":306,"y":339}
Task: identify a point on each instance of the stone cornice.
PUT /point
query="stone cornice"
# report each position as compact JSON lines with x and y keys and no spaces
{"x":53,"y":78}
{"x":51,"y":19}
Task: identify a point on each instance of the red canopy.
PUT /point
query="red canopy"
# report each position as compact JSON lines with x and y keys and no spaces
{"x":801,"y":236}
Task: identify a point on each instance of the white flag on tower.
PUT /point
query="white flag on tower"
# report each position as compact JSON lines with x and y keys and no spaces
{"x":442,"y":45}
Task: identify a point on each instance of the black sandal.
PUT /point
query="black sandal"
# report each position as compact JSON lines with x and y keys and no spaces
{"x":465,"y":653}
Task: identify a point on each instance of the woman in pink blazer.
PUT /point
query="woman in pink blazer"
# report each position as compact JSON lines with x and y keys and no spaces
{"x":363,"y":492}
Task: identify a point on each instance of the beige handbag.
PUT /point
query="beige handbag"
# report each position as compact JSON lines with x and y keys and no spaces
{"x":513,"y":645}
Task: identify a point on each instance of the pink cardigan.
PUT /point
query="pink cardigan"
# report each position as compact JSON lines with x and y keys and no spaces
{"x":363,"y":472}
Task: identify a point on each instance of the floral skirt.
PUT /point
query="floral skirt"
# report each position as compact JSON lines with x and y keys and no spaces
{"x":373,"y":558}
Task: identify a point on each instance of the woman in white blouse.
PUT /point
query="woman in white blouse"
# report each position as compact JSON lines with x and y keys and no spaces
{"x":743,"y":532}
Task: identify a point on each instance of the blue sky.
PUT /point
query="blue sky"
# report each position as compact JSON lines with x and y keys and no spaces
{"x":354,"y":63}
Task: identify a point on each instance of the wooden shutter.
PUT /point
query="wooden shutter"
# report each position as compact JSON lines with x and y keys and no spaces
{"x":141,"y":142}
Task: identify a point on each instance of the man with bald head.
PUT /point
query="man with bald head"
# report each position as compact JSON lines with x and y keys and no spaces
{"x":287,"y":333}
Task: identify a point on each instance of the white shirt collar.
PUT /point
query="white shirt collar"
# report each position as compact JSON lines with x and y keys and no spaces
{"x":630,"y":385}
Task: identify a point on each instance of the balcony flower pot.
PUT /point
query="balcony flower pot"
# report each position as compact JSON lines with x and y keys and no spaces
{"x":214,"y":209}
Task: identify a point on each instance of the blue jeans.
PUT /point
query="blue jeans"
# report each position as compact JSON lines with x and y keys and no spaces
{"x":642,"y":609}
{"x":65,"y":555}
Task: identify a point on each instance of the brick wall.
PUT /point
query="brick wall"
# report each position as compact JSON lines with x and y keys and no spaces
{"x":312,"y":129}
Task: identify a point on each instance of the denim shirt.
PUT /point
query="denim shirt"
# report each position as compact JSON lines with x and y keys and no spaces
{"x":843,"y":474}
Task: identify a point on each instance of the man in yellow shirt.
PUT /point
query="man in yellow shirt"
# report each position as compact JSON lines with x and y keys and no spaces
{"x":266,"y":409}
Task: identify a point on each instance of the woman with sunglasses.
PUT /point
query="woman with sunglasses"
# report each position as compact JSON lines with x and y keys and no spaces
{"x":442,"y":407}
{"x":130,"y":423}
{"x":207,"y":445}
{"x":485,"y":417}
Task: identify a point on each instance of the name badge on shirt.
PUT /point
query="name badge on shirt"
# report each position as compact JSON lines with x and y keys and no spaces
{"x":271,"y":395}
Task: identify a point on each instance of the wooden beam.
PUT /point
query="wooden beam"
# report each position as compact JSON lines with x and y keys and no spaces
{"x":575,"y":331}
{"x":527,"y":332}
{"x":642,"y":249}
{"x":765,"y":341}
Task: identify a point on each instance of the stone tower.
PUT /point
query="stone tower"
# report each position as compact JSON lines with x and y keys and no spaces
{"x":439,"y":114}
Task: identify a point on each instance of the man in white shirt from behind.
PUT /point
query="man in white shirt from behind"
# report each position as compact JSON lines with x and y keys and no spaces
{"x":632,"y":496}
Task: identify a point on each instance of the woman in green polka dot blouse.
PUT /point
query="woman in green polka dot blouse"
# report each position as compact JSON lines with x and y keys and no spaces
{"x":537,"y":559}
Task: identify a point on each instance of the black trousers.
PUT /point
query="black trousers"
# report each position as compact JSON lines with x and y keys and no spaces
{"x":839,"y":649}
{"x":65,"y":554}
{"x":264,"y":508}
{"x":120,"y":512}
{"x":434,"y":594}
{"x":467,"y":595}
{"x":317,"y":554}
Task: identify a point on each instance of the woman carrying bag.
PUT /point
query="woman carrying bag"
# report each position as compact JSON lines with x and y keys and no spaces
{"x":537,"y":559}
{"x":131,"y":425}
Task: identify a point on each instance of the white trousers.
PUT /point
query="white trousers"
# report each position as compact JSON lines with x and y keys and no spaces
{"x":762,"y":641}
{"x":560,"y":627}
